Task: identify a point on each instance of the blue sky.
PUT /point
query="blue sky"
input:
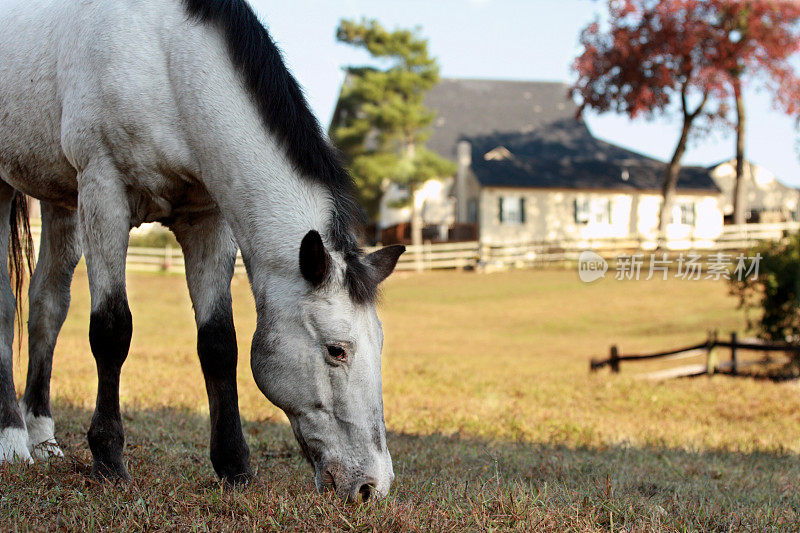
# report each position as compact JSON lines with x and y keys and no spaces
{"x":507,"y":39}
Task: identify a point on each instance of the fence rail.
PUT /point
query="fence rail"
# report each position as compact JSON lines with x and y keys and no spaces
{"x":519,"y":254}
{"x":708,"y":349}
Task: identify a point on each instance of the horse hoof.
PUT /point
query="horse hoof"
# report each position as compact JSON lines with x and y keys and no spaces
{"x":14,"y":446}
{"x":41,"y":435}
{"x":48,"y":449}
{"x":238,"y":481}
{"x":110,"y":473}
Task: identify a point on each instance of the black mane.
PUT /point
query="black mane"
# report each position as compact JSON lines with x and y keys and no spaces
{"x":286,"y":115}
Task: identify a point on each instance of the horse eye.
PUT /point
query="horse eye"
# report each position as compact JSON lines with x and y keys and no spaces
{"x":337,"y":352}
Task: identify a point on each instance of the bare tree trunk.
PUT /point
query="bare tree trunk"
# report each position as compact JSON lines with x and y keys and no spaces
{"x":674,"y":167}
{"x":739,"y":193}
{"x":671,"y":180}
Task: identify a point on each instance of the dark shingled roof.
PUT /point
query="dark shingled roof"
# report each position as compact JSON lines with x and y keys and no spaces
{"x":565,"y":155}
{"x":549,"y":147}
{"x":470,"y":108}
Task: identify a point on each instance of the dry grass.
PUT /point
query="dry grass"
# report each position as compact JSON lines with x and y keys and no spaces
{"x":495,"y":421}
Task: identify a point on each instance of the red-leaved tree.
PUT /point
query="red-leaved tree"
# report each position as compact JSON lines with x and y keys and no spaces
{"x":697,"y":54}
{"x":758,"y":41}
{"x":652,"y":55}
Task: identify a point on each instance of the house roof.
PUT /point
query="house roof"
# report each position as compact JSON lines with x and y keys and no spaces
{"x":549,"y":148}
{"x":565,"y":155}
{"x":470,"y":108}
{"x":545,"y":145}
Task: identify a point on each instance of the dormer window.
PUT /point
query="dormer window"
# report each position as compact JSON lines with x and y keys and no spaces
{"x":501,"y":153}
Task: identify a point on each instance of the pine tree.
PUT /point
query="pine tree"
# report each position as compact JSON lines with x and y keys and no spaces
{"x":384,"y":122}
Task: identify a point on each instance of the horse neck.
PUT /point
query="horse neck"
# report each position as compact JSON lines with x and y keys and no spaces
{"x":269,"y":205}
{"x":266,"y":201}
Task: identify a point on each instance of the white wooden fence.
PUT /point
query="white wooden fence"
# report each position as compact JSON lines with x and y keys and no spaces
{"x":438,"y":256}
{"x":496,"y":256}
{"x":748,"y":235}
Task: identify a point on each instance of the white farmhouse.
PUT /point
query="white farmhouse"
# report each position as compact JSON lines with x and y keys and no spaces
{"x":529,"y":170}
{"x":542,"y":186}
{"x":767,"y":200}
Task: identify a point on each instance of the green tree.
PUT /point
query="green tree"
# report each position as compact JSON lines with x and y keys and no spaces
{"x":383,"y":120}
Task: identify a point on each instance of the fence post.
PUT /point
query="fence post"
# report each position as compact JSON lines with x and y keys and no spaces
{"x":167,"y":258}
{"x":484,"y":253}
{"x":734,"y":363}
{"x":711,"y":355}
{"x":613,"y":360}
{"x":428,"y":255}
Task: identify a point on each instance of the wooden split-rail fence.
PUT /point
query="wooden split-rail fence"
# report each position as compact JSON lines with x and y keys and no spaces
{"x":708,"y":350}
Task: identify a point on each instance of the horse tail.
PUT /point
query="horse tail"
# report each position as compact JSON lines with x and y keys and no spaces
{"x":20,"y":252}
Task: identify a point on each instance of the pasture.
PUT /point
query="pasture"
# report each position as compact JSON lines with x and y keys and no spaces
{"x":494,"y":420}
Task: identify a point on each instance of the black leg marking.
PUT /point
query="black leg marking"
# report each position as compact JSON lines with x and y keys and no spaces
{"x":10,"y":415}
{"x":110,"y":330}
{"x":210,"y":254}
{"x":216,"y":346}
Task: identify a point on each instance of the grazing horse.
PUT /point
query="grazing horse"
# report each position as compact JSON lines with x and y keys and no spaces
{"x":118,"y":112}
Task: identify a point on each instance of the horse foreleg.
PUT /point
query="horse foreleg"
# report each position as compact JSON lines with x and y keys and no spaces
{"x":105,"y":224}
{"x":49,"y":296}
{"x":210,"y":255}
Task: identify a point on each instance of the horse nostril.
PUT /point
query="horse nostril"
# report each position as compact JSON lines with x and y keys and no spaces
{"x":365,"y":491}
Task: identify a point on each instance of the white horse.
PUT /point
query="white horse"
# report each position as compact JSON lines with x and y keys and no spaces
{"x":119,"y":112}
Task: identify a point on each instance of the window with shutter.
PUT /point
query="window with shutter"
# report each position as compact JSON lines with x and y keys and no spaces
{"x":592,"y":211}
{"x":683,"y":213}
{"x":583,"y":211}
{"x":512,"y":210}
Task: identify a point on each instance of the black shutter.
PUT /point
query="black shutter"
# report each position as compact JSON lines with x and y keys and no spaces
{"x":501,"y":209}
{"x":522,"y":210}
{"x":575,"y":210}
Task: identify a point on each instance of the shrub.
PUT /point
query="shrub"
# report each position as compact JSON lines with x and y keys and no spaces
{"x":158,"y":237}
{"x":772,"y":300}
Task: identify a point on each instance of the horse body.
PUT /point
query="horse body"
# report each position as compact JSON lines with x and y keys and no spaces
{"x":115,"y":113}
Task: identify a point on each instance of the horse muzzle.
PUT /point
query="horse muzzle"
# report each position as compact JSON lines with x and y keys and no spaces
{"x":355,"y":485}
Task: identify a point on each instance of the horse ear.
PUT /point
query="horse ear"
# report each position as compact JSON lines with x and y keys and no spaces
{"x":385,"y":259}
{"x":315,"y":262}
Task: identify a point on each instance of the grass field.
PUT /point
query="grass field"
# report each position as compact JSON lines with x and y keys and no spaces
{"x":494,"y":419}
